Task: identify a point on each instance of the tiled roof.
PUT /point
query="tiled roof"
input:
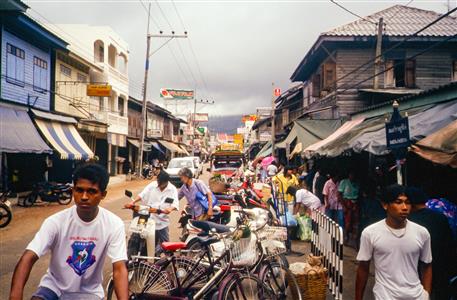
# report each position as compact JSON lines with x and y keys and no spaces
{"x":399,"y":20}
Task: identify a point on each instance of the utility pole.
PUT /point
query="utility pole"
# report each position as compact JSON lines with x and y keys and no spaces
{"x":273,"y":130}
{"x":377,"y":64}
{"x":144,"y":108}
{"x":193,"y":121}
{"x":145,"y":85}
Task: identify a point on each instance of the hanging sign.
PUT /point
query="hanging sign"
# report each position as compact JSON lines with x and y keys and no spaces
{"x":98,"y":90}
{"x":397,"y":134}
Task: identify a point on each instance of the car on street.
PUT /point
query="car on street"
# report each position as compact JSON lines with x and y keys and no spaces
{"x":177,"y":164}
{"x":198,"y":164}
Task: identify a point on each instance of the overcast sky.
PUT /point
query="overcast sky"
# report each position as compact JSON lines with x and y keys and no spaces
{"x":242,"y":46}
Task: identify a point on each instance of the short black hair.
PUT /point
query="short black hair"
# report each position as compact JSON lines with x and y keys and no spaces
{"x":291,"y":190}
{"x":416,"y":195}
{"x":93,"y":172}
{"x":287,"y":168}
{"x":392,"y":192}
{"x":163,"y":177}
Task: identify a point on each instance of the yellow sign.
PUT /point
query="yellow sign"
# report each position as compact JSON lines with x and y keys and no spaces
{"x":238,"y":139}
{"x":99,"y":90}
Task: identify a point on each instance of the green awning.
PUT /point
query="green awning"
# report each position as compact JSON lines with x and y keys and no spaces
{"x":370,"y":135}
{"x":308,"y":132}
{"x":265,"y":151}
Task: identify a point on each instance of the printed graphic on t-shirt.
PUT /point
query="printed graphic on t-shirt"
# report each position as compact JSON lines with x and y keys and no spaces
{"x":82,"y":257}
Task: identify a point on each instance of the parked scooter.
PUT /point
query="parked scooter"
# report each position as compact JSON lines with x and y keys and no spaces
{"x":5,"y":209}
{"x":49,"y":192}
{"x":258,"y":217}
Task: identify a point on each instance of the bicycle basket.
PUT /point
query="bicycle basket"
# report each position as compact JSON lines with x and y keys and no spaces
{"x":244,"y":251}
{"x":277,"y":233}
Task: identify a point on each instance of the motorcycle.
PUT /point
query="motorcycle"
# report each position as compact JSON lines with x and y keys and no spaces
{"x":5,"y":209}
{"x":141,"y":232}
{"x":49,"y":192}
{"x":148,"y":171}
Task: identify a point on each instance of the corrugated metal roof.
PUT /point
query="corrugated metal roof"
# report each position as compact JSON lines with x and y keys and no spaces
{"x":399,"y":20}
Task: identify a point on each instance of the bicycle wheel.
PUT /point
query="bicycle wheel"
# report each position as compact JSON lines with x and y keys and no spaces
{"x":280,"y":280}
{"x":244,"y":287}
{"x":144,"y":278}
{"x":5,"y":215}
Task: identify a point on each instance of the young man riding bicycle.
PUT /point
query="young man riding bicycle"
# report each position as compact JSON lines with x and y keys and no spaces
{"x":79,"y":239}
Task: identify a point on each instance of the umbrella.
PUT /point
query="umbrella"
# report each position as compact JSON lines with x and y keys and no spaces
{"x":267,"y":161}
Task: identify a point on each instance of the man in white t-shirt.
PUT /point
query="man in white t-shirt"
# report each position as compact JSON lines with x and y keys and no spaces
{"x":162,"y":198}
{"x":398,"y":248}
{"x":79,"y":238}
{"x":305,"y":198}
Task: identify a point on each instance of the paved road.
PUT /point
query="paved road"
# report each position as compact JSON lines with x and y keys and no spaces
{"x":27,"y":221}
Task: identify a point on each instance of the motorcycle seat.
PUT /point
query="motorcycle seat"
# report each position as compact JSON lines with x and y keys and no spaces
{"x":206,"y":241}
{"x":225,"y":208}
{"x":173,"y":246}
{"x":208,"y":226}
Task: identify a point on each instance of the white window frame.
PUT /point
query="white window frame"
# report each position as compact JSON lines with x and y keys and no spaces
{"x":15,"y":65}
{"x":40,"y":75}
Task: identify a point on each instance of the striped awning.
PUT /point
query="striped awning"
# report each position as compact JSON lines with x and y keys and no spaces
{"x":172,"y":147}
{"x":116,"y":139}
{"x":65,"y":139}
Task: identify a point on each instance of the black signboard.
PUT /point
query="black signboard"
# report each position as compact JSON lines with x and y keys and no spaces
{"x":397,"y":134}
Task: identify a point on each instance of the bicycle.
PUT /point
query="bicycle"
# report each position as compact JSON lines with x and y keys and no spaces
{"x":200,"y":277}
{"x":5,"y":209}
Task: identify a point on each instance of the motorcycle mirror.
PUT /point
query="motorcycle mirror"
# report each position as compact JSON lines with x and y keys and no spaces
{"x":128,"y":193}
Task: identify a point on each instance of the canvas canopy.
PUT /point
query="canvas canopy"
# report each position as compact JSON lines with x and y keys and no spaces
{"x":440,"y":147}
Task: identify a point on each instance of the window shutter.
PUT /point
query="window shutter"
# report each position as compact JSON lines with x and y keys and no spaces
{"x":36,"y":76}
{"x":44,"y":79}
{"x":20,"y":65}
{"x":11,"y":66}
{"x":316,"y":85}
{"x":410,"y":73}
{"x":389,"y":77}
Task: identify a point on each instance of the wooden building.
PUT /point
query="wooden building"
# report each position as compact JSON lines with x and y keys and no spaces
{"x":337,"y":75}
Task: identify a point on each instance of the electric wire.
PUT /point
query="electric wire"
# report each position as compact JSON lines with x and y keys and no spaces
{"x":372,"y":61}
{"x":202,"y":77}
{"x":351,"y":12}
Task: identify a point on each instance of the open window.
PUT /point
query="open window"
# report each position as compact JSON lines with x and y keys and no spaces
{"x":316,"y":89}
{"x":400,"y":73}
{"x":99,"y":51}
{"x":328,"y":76}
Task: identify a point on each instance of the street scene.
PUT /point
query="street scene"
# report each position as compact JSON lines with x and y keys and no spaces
{"x":228,"y":150}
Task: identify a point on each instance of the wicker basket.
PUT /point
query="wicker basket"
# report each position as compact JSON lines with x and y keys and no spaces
{"x":217,"y":186}
{"x":313,"y":285}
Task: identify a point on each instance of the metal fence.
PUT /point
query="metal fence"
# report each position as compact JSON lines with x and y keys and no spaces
{"x":327,"y":241}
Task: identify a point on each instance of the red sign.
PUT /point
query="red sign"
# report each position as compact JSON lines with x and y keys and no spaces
{"x":277,"y":92}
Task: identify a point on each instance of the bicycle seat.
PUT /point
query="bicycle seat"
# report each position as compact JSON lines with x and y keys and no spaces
{"x":207,"y":226}
{"x":173,"y":246}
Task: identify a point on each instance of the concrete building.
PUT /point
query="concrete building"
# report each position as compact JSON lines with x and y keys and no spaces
{"x":107,"y":53}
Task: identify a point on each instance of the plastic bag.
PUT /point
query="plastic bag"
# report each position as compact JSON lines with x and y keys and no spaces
{"x":304,"y":228}
{"x":291,"y":222}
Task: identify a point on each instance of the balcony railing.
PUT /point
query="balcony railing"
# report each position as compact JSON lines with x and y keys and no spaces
{"x":116,"y":123}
